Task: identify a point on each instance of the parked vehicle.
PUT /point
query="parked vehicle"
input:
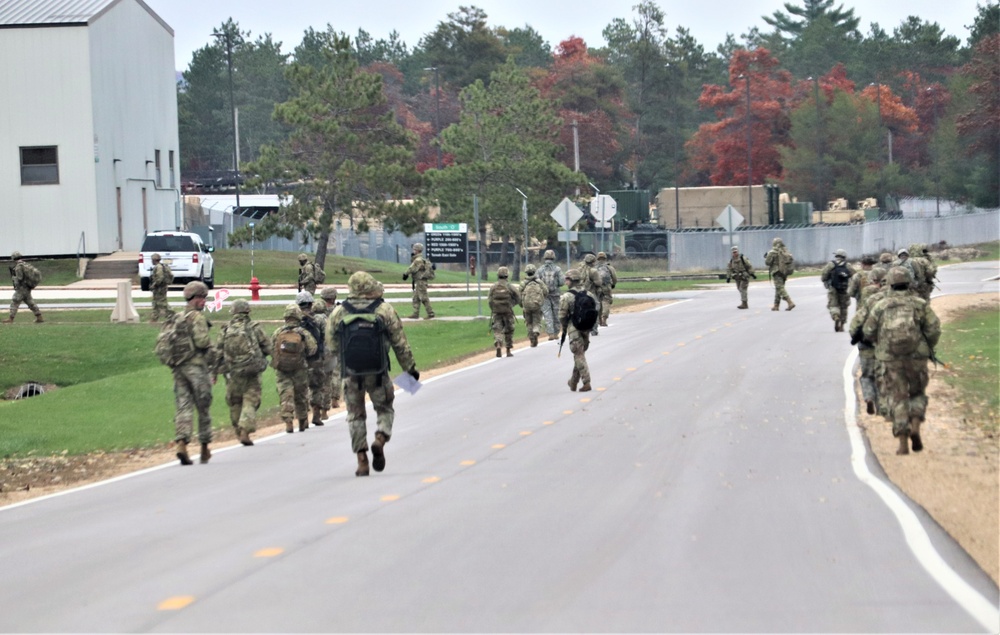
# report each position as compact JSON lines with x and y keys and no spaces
{"x":188,"y":257}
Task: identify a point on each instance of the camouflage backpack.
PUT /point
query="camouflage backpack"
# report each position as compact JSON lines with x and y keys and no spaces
{"x":501,"y":300}
{"x":32,"y":277}
{"x":605,"y":273}
{"x":898,"y":331}
{"x":549,"y":274}
{"x":289,"y":350}
{"x":786,"y":263}
{"x":364,"y":342}
{"x":241,"y":350}
{"x":533,"y":295}
{"x":175,"y":343}
{"x":318,"y":274}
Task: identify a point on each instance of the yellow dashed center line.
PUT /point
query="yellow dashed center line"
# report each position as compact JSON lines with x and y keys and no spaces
{"x":616,"y":378}
{"x":498,"y":446}
{"x":697,"y":337}
{"x":681,"y":344}
{"x":547,"y":423}
{"x":388,"y":498}
{"x":648,"y":361}
{"x":270,"y":552}
{"x":585,"y":400}
{"x":432,"y":479}
{"x":567,"y":412}
{"x":467,"y":462}
{"x":337,"y":520}
{"x":665,"y":353}
{"x":175,"y":603}
{"x":601,"y":389}
{"x":630,"y":369}
{"x":525,"y":433}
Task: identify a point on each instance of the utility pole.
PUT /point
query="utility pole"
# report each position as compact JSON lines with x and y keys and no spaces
{"x":437,"y":111}
{"x":232,"y":108}
{"x":576,"y":152}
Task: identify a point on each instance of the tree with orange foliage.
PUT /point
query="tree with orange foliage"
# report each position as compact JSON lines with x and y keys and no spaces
{"x":979,"y":127}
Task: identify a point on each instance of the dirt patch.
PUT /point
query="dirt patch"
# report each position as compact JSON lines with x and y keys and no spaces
{"x":955,"y":478}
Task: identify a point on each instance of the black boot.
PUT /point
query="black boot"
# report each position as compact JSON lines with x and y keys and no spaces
{"x":378,"y":455}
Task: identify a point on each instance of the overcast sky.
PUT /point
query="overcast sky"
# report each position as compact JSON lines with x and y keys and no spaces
{"x":708,"y":20}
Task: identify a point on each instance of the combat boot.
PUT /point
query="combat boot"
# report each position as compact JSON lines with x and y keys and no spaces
{"x":303,"y":424}
{"x":870,"y":407}
{"x":743,"y":305}
{"x":9,"y":320}
{"x":415,"y":316}
{"x":289,"y":428}
{"x":430,"y":316}
{"x":837,"y":325}
{"x":245,"y":437}
{"x":334,"y":404}
{"x":791,"y":305}
{"x":904,"y":446}
{"x":206,"y":454}
{"x":362,"y":464}
{"x":499,"y":352}
{"x":572,"y":384}
{"x":317,"y":417}
{"x":39,"y":319}
{"x":509,"y":353}
{"x":775,"y":307}
{"x":534,"y":340}
{"x":553,"y":337}
{"x":182,"y":453}
{"x":378,"y":454}
{"x":917,"y":442}
{"x":585,"y":387}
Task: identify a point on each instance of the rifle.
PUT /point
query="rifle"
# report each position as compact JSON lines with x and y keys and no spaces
{"x":562,"y":341}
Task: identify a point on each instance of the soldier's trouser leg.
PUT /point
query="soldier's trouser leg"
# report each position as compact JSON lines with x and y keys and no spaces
{"x":833,"y":304}
{"x":550,"y":311}
{"x":779,"y":289}
{"x":593,"y":331}
{"x":497,"y":329}
{"x":743,"y":285}
{"x":302,"y":395}
{"x":884,"y":402}
{"x":868,"y":390}
{"x":416,"y":304}
{"x":606,"y":302}
{"x":382,"y":397}
{"x":336,"y":387}
{"x":906,"y":382}
{"x":293,"y":393}
{"x":192,"y":391}
{"x":234,"y":399}
{"x":317,"y":386}
{"x":354,"y":403}
{"x":248,"y":389}
{"x":578,"y":345}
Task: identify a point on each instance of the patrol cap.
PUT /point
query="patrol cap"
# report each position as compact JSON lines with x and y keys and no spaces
{"x":319,"y":306}
{"x":897,"y":276}
{"x":530,"y":270}
{"x":876,"y":275}
{"x":155,"y":257}
{"x":502,"y":272}
{"x":303,"y":257}
{"x":885,"y":257}
{"x":293,"y":312}
{"x":549,"y":255}
{"x":902,"y":251}
{"x":195,"y":289}
{"x":868,"y":260}
{"x":840,"y":253}
{"x":776,"y":242}
{"x":329,"y":294}
{"x":16,"y":255}
{"x":240,"y":306}
{"x":304,"y":297}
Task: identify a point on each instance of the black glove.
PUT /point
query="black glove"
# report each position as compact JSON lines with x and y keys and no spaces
{"x":406,"y":276}
{"x":728,"y":279}
{"x":414,"y":373}
{"x":753,"y":275}
{"x":855,"y":338}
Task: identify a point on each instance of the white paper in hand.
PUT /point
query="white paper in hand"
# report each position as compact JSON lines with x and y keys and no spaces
{"x":407,"y":383}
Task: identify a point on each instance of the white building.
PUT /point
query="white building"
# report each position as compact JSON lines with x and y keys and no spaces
{"x":88,"y":129}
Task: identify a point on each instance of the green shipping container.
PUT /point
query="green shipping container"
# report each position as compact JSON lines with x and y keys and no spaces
{"x":633,"y":205}
{"x":798,"y":213}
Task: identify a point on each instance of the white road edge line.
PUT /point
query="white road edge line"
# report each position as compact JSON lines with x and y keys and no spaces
{"x":917,"y":539}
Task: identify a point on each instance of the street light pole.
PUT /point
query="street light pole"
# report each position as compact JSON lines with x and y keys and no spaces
{"x":819,"y":146}
{"x":437,"y":111}
{"x":749,"y":153}
{"x":524,"y":215}
{"x":232,"y":108}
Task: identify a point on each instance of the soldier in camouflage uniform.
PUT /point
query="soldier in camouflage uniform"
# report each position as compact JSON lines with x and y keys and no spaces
{"x":502,"y":298}
{"x":293,"y":381}
{"x":422,"y":271}
{"x":160,"y":278}
{"x":859,"y":281}
{"x":591,"y":283}
{"x":913,"y":268}
{"x":884,"y":263}
{"x":307,"y":274}
{"x":22,"y":291}
{"x":904,"y":330}
{"x":551,"y":274}
{"x":579,"y":341}
{"x":871,"y":292}
{"x":739,"y":269}
{"x":241,"y":355}
{"x":836,"y":276}
{"x":193,"y":379}
{"x":609,"y":280}
{"x":365,"y":291}
{"x":778,"y":261}
{"x":335,"y":388}
{"x":533,"y":294}
{"x":928,"y":271}
{"x":318,"y":380}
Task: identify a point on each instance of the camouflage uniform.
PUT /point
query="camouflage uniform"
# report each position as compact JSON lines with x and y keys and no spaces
{"x":421,"y":270}
{"x":533,"y":317}
{"x":591,"y":283}
{"x":502,"y":318}
{"x":242,"y":381}
{"x":335,"y":388}
{"x":740,"y":270}
{"x":293,"y":385}
{"x":912,"y":267}
{"x":159,"y":281}
{"x":884,"y":263}
{"x":905,"y":374}
{"x":193,"y":378}
{"x":838,"y":302}
{"x":551,"y":274}
{"x":363,"y":290}
{"x":314,"y":319}
{"x":775,"y":261}
{"x":928,"y":270}
{"x":859,"y":281}
{"x":605,"y":295}
{"x":871,"y":292}
{"x":22,"y":292}
{"x":307,"y":274}
{"x":579,"y":341}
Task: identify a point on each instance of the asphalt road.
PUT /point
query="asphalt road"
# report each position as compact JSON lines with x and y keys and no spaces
{"x":712,"y":482}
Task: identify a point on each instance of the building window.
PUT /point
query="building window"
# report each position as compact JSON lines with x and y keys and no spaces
{"x":173,"y":178}
{"x":156,"y":162}
{"x":39,"y":165}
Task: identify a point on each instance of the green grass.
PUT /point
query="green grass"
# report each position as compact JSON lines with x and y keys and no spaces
{"x":991,"y":251}
{"x":971,"y":348}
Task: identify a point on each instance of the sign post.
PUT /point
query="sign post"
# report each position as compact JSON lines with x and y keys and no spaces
{"x":567,"y":214}
{"x":730,"y":219}
{"x":603,"y":208}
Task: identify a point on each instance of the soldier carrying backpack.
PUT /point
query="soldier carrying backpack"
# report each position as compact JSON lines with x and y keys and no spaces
{"x":533,"y":293}
{"x":291,"y":345}
{"x":24,"y":277}
{"x":242,"y":352}
{"x":361,"y":331}
{"x":578,"y":314}
{"x":503,"y":297}
{"x":836,"y":276}
{"x":780,"y":265}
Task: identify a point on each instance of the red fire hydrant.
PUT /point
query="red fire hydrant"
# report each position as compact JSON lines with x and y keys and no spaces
{"x":254,"y":289}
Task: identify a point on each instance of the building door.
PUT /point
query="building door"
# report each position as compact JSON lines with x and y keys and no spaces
{"x":118,"y":194}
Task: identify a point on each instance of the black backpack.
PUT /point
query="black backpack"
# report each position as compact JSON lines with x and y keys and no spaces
{"x":840,"y":277}
{"x":585,"y":313}
{"x":364,"y":342}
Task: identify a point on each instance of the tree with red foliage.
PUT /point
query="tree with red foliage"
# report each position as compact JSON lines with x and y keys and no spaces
{"x":979,"y":127}
{"x":719,"y":149}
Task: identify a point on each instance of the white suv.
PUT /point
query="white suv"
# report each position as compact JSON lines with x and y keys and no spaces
{"x":184,"y":252}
